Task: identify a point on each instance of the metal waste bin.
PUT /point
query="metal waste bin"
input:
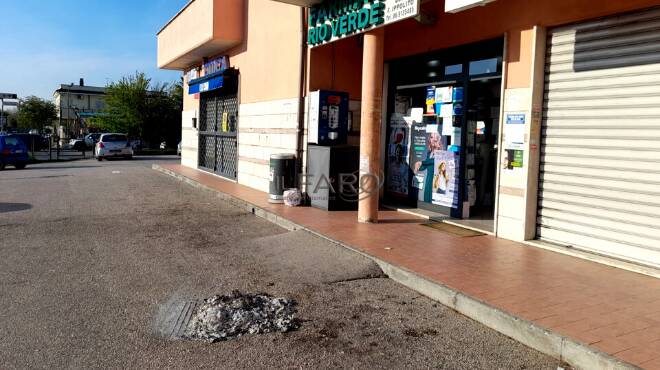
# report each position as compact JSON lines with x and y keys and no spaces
{"x":282,"y":176}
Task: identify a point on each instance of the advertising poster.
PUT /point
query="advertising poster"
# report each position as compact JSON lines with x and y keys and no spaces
{"x":445,"y":179}
{"x":430,"y":100}
{"x":427,"y":144}
{"x":443,"y":94}
{"x":398,"y":169}
{"x":418,"y":155}
{"x":513,"y":159}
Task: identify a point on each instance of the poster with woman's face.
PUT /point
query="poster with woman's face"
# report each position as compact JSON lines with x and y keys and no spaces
{"x":445,"y":179}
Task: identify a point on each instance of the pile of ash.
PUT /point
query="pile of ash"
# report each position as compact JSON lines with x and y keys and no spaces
{"x":223,"y":317}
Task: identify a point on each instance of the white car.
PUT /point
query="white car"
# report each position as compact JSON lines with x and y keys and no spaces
{"x":91,"y":139}
{"x":113,"y":145}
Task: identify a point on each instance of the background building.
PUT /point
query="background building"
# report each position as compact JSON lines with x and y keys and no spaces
{"x":75,"y":104}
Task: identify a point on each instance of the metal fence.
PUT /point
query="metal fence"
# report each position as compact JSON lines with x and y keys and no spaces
{"x":41,"y":151}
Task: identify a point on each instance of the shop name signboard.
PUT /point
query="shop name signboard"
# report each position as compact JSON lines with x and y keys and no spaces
{"x":209,"y":76}
{"x":335,"y":19}
{"x":216,"y":65}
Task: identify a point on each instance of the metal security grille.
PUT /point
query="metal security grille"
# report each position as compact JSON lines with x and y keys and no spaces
{"x":599,"y":186}
{"x":218,"y":144}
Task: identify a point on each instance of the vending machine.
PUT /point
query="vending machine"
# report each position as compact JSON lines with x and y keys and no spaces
{"x":328,"y":118}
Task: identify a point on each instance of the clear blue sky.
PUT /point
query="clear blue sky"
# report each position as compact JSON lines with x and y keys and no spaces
{"x":45,"y":43}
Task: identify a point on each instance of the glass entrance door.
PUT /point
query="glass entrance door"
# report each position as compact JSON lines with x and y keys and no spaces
{"x":436,"y":159}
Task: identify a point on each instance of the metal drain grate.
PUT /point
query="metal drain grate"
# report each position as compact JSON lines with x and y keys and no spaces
{"x":181,"y":323}
{"x":174,"y":316}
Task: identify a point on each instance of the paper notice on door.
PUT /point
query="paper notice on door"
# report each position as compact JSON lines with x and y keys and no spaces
{"x":447,"y":111}
{"x":225,"y":122}
{"x":417,"y":114}
{"x":447,"y":127}
{"x":481,"y":127}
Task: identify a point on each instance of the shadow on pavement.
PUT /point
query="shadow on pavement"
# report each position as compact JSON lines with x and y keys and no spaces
{"x":28,"y":168}
{"x":14,"y":207}
{"x":156,"y":158}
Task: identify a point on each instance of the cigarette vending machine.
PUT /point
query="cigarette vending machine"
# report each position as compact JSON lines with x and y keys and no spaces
{"x":332,"y":166}
{"x":328,"y":118}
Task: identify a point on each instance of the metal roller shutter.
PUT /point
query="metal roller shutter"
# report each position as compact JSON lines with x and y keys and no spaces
{"x":599,"y":187}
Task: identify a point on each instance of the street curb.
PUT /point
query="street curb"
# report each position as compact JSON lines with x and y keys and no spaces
{"x":565,"y":349}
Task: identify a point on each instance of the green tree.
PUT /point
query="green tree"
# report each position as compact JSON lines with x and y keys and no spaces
{"x":151,"y":112}
{"x":35,"y":113}
{"x":125,"y":105}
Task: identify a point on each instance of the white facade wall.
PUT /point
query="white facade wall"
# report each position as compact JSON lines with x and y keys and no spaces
{"x":189,"y":138}
{"x":264,"y":128}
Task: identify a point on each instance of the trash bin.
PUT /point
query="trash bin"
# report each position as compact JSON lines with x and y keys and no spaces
{"x":282,"y":176}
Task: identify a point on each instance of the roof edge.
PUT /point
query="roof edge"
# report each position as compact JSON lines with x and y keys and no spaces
{"x":175,"y":17}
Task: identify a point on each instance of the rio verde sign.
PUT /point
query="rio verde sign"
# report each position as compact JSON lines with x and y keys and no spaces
{"x":335,"y":19}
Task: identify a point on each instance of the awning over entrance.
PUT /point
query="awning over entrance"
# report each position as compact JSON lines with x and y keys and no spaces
{"x":206,"y":83}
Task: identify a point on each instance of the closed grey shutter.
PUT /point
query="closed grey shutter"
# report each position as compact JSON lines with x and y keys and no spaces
{"x":599,"y":186}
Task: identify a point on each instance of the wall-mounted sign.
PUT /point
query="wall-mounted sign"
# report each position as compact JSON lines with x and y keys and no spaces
{"x":207,"y":77}
{"x":515,"y":119}
{"x":335,"y":19}
{"x":514,"y":130}
{"x":216,"y":65}
{"x":455,"y":6}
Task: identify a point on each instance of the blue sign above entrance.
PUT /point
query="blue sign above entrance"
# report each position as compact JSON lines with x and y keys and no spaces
{"x":206,"y":84}
{"x":209,"y":76}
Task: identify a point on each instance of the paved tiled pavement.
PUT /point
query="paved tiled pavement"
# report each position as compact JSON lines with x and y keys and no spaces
{"x":611,"y":309}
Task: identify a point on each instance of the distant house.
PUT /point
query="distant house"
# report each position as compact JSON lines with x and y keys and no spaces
{"x":75,"y":105}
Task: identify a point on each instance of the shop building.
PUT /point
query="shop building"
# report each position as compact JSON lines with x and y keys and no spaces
{"x":533,"y":121}
{"x":241,"y":61}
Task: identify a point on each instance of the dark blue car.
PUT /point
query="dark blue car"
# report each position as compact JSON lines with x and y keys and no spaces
{"x":13,"y":152}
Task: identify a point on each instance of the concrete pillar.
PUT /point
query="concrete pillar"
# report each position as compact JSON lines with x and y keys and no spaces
{"x":370,"y":126}
{"x":523,"y":95}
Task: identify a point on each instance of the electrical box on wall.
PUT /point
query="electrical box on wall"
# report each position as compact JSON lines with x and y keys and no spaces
{"x":328,"y":117}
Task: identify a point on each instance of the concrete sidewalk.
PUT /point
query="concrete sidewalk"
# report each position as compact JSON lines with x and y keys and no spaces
{"x":587,"y":314}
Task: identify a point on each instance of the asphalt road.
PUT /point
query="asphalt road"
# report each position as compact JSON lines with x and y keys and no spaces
{"x":94,"y":252}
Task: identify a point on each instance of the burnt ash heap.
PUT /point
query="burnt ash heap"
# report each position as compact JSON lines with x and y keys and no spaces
{"x":222,"y":317}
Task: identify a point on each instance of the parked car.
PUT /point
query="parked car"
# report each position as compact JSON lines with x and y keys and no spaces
{"x":13,"y":152}
{"x":178,"y":149}
{"x":34,"y":142}
{"x":113,"y":145}
{"x":92,"y":139}
{"x":77,"y":144}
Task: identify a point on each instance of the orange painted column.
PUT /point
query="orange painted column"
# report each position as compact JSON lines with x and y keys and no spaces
{"x":370,"y":125}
